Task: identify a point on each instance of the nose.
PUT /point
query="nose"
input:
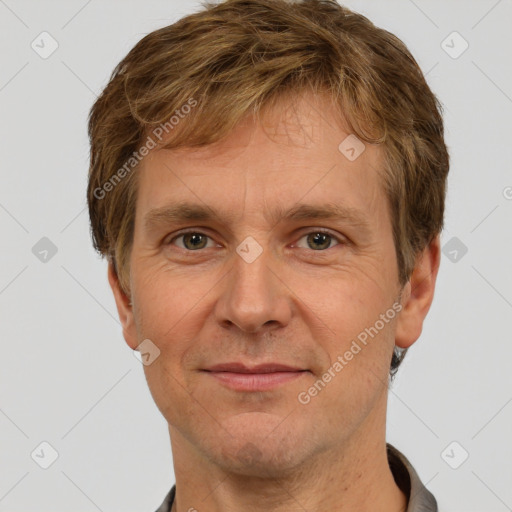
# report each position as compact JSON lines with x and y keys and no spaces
{"x":253,"y":297}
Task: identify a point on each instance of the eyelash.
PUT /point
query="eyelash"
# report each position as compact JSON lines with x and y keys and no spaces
{"x":341,"y":241}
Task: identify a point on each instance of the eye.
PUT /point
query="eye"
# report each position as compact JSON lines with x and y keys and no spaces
{"x":318,"y":240}
{"x":192,"y":241}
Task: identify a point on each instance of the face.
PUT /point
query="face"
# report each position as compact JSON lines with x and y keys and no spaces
{"x":257,"y":264}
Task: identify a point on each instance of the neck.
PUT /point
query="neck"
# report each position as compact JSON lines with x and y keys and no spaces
{"x":351,"y":477}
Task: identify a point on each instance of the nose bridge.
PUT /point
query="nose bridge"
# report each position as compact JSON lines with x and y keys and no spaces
{"x":253,"y":298}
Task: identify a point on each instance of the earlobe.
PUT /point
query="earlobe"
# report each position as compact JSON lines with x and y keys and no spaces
{"x":418,"y":295}
{"x":124,"y":308}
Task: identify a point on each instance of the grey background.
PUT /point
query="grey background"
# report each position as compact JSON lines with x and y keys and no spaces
{"x":68,"y":378}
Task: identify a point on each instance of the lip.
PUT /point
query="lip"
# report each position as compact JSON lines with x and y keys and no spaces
{"x":259,"y":368}
{"x":262,"y":377}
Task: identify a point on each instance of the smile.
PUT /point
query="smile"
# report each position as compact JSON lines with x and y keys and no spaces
{"x":258,"y":378}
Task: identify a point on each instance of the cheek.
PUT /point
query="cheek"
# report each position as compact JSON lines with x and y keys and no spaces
{"x":356,"y":380}
{"x":171,"y":319}
{"x":167,"y":303}
{"x":168,"y":391}
{"x":361,"y":322}
{"x":172,"y":312}
{"x":347,"y":303}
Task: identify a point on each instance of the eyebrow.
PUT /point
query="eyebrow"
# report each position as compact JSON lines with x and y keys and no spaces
{"x":180,"y":212}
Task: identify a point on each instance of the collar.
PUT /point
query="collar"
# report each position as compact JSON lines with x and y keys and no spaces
{"x":419,"y":498}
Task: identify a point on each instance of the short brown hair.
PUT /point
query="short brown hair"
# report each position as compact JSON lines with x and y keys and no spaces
{"x":237,"y":56}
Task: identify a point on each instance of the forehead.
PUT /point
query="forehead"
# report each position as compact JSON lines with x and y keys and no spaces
{"x":297,"y":151}
{"x":304,"y":122}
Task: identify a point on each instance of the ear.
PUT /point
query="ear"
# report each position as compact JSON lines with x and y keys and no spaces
{"x":418,"y":294}
{"x":124,"y":308}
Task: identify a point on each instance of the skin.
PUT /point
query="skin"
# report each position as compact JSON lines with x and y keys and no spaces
{"x":300,"y":303}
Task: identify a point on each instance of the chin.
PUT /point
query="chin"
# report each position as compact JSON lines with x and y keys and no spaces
{"x":263,"y":446}
{"x":260,"y":460}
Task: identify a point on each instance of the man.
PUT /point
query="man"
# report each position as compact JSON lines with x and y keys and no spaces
{"x":267,"y":182}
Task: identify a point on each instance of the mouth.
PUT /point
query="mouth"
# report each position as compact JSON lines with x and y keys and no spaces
{"x":263,"y":377}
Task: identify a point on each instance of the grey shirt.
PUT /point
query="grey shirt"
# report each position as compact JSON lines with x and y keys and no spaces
{"x":418,"y":497}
